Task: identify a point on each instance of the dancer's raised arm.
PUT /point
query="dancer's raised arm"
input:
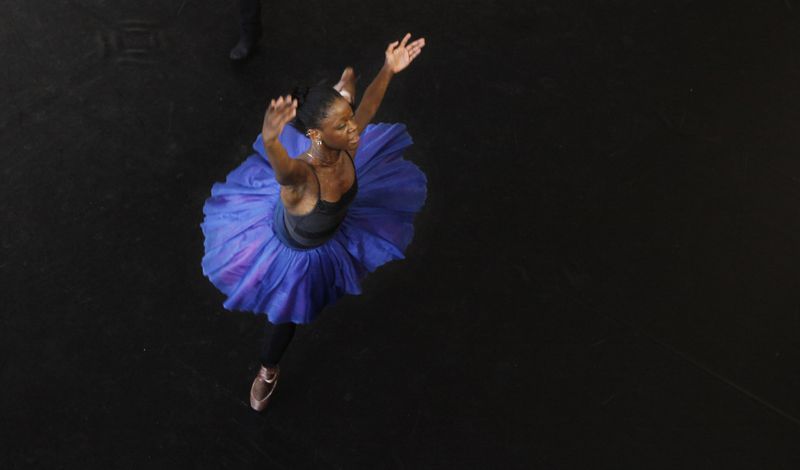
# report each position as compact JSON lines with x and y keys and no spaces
{"x":399,"y":55}
{"x":288,"y":171}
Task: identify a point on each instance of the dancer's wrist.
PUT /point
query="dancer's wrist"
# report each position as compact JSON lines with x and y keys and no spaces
{"x":386,"y":70}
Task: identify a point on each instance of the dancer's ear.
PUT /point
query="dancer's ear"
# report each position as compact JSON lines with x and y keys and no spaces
{"x":314,"y":134}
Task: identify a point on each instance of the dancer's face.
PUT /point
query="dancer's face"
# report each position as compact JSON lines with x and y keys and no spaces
{"x":338,"y":129}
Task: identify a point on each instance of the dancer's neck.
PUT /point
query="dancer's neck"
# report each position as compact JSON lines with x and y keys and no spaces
{"x":324,"y":156}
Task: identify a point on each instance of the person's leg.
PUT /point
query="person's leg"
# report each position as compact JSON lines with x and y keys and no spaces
{"x":272,"y":351}
{"x":276,"y":344}
{"x":249,"y":28}
{"x":250,"y":22}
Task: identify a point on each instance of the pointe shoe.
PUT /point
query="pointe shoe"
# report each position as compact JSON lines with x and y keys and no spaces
{"x":264,"y":384}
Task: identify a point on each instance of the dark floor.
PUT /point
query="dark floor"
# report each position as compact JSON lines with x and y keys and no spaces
{"x":606,"y":273}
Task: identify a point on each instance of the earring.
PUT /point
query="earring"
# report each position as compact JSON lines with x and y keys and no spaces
{"x":319,"y":142}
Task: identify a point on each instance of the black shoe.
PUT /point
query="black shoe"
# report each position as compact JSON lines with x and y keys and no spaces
{"x":242,"y":49}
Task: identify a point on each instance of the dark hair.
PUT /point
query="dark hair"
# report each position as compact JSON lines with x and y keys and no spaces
{"x":312,"y":105}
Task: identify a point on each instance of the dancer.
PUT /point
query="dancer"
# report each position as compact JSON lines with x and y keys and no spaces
{"x":326,"y":199}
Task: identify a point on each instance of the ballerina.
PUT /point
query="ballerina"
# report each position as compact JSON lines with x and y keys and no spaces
{"x":287,"y":235}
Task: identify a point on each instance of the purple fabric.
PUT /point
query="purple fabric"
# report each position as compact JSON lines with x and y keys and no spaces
{"x":258,"y":273}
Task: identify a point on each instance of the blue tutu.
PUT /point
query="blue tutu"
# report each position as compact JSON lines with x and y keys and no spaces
{"x":259,"y":273}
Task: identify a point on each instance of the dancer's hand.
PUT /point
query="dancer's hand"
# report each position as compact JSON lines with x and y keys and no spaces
{"x":399,"y":54}
{"x":279,"y":112}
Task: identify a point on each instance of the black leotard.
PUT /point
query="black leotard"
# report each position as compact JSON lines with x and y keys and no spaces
{"x":318,"y":226}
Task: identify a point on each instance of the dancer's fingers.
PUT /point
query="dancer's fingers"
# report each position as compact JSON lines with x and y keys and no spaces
{"x":405,"y":40}
{"x":392,"y":46}
{"x":285,"y":102}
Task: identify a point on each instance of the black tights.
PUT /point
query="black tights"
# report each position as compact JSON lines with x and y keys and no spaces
{"x":276,"y":343}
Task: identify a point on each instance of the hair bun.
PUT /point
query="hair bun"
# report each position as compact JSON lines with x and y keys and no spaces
{"x":312,"y":105}
{"x":300,"y":94}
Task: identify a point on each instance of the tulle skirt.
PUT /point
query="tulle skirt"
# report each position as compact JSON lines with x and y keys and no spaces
{"x":258,"y":273}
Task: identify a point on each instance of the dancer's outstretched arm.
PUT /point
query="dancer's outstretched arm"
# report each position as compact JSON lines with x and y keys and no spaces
{"x":398,"y":55}
{"x":288,"y":171}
